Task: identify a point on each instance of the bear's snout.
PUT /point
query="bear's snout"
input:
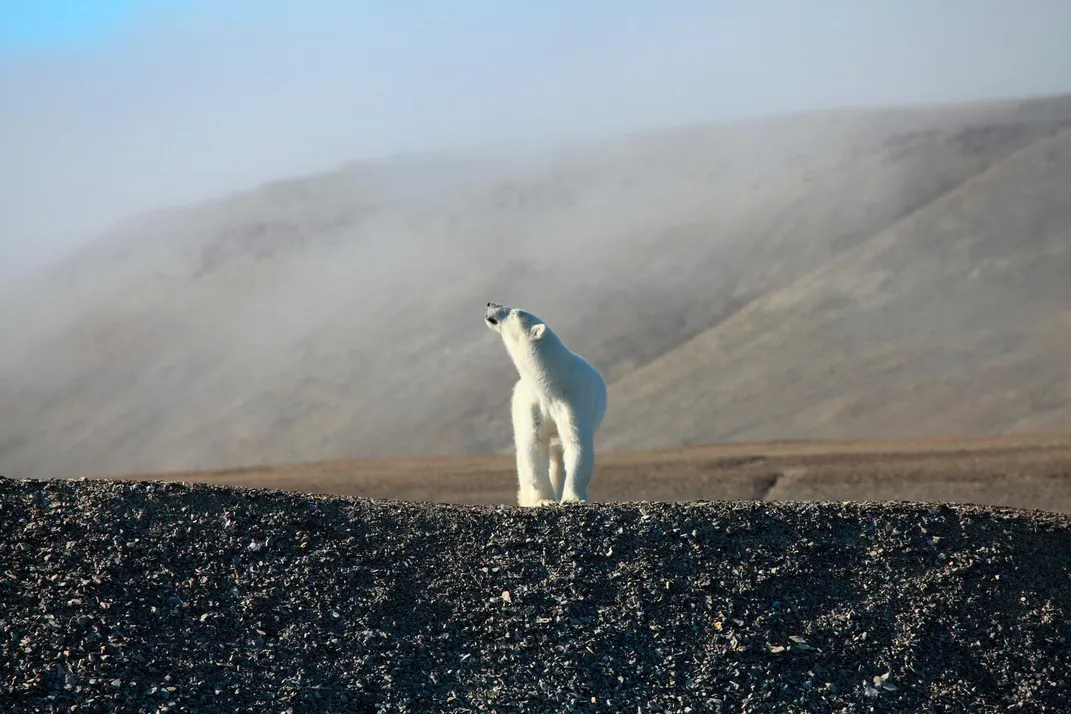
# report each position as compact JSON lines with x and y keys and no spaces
{"x":495,"y":314}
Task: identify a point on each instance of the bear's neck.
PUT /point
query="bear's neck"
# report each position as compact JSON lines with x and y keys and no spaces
{"x":532,"y":358}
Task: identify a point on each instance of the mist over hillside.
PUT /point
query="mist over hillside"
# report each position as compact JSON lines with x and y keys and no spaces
{"x":848,"y":273}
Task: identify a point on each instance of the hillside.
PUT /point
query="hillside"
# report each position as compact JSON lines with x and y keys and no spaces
{"x":828,"y":274}
{"x":955,"y":319}
{"x":214,"y":599}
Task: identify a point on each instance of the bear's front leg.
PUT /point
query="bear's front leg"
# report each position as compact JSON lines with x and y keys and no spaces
{"x":533,"y":473}
{"x":532,"y":442}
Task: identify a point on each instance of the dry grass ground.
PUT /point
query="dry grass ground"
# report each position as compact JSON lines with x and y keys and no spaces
{"x":1022,"y":471}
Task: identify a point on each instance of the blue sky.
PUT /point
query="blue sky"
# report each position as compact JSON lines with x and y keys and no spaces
{"x":65,"y":25}
{"x":111,"y":108}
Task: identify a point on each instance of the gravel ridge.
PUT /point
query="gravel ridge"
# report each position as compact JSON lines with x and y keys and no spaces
{"x":121,"y":596}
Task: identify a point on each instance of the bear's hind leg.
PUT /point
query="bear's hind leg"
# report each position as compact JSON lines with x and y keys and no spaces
{"x":533,"y":450}
{"x":578,"y":447}
{"x":557,"y":467}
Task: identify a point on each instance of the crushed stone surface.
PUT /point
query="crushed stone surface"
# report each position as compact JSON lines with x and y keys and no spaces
{"x":155,"y":597}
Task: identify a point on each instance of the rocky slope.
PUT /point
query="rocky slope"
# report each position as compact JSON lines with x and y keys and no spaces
{"x":146,"y":597}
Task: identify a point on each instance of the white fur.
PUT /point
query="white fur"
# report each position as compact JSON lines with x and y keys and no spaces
{"x":558,"y":404}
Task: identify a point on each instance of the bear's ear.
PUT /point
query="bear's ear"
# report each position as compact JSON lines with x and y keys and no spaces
{"x":536,"y":333}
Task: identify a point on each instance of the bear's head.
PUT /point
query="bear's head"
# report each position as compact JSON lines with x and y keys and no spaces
{"x":513,"y":324}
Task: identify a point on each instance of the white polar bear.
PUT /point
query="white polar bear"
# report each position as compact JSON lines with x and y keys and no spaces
{"x":558,"y":404}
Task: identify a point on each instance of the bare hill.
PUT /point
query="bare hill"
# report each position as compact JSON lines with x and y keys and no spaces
{"x":339,"y":315}
{"x":955,"y":319}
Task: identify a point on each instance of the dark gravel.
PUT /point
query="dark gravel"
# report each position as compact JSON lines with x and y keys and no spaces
{"x":148,"y":597}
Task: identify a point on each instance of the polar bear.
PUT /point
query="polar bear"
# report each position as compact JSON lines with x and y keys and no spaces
{"x":558,"y":404}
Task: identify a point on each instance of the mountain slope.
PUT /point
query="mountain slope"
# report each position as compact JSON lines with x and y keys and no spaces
{"x":955,"y":320}
{"x":341,"y":315}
